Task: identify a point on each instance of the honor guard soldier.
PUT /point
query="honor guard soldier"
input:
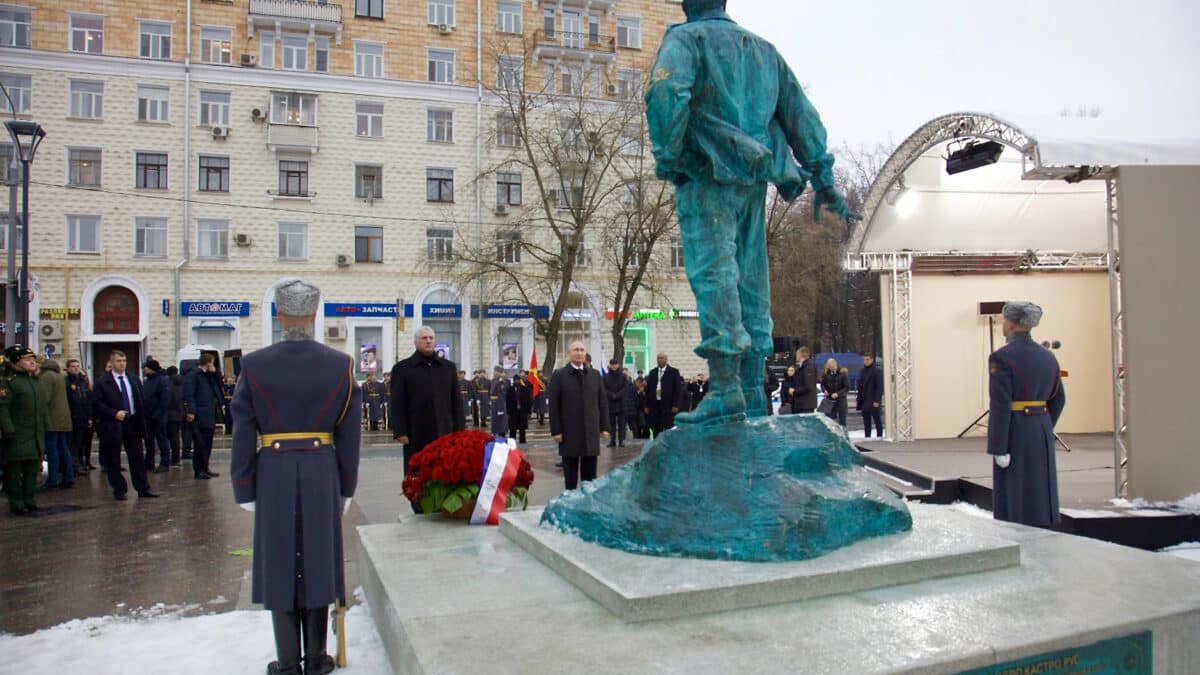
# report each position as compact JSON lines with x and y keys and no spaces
{"x":24,"y":421}
{"x":498,"y":399}
{"x":483,"y":389}
{"x":296,"y":440}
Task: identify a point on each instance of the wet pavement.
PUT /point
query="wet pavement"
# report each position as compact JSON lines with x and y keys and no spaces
{"x":188,"y":549}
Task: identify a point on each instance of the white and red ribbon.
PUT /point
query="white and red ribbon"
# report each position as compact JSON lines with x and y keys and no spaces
{"x":501,"y":460}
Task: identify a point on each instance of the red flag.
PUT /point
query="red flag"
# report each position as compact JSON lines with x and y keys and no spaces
{"x":535,"y":380}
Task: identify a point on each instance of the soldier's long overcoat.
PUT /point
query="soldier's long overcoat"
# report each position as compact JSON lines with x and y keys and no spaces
{"x":297,"y":485}
{"x":1027,"y":491}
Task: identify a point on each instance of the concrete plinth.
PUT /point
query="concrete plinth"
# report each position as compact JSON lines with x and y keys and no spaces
{"x":643,"y":587}
{"x":451,"y":599}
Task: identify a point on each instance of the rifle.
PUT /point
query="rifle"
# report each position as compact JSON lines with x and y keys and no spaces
{"x":339,"y":627}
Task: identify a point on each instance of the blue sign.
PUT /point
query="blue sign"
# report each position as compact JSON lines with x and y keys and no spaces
{"x":359,"y":309}
{"x":212,"y":308}
{"x":1129,"y":655}
{"x":441,"y":311}
{"x":166,"y":307}
{"x":516,"y":312}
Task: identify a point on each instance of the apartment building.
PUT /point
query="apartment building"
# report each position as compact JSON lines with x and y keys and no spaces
{"x":199,"y":153}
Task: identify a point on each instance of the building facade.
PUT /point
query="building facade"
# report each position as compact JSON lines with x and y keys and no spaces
{"x":199,"y":153}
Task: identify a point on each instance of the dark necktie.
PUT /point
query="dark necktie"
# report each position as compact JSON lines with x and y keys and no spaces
{"x":124,"y":394}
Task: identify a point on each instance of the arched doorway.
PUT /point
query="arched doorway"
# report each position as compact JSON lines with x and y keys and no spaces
{"x":116,"y":311}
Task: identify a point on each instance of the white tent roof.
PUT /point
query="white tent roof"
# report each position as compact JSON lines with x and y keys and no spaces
{"x":1020,"y":203}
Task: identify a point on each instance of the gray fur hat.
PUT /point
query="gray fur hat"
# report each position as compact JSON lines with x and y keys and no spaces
{"x":297,"y":297}
{"x":1023,"y":312}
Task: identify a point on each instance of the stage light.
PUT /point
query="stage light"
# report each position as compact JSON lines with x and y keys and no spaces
{"x":973,"y":155}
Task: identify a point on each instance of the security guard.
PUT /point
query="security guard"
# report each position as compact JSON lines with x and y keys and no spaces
{"x":24,"y":420}
{"x":498,"y":399}
{"x":301,"y":398}
{"x":1027,"y":398}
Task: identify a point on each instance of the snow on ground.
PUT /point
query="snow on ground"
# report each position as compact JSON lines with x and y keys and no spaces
{"x":1190,"y":504}
{"x":1188,"y":549}
{"x":159,"y":640}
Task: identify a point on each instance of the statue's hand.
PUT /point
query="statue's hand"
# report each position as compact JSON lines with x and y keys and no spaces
{"x":833,"y":202}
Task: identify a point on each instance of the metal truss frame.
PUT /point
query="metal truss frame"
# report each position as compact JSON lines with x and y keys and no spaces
{"x":1031,"y":260}
{"x":1117,"y":313}
{"x":900,"y":360}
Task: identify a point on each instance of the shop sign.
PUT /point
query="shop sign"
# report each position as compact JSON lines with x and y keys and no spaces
{"x":516,"y":312}
{"x":685,"y":314}
{"x":214,"y":308}
{"x":441,"y":311}
{"x":359,"y":309}
{"x":640,"y":314}
{"x":59,"y":313}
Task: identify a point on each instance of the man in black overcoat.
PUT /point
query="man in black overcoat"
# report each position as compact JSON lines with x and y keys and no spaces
{"x":803,"y":385}
{"x":425,"y":401}
{"x":203,"y":401}
{"x":664,"y":395}
{"x":578,"y":416}
{"x":301,"y":398}
{"x":614,"y":387}
{"x":120,"y":422}
{"x":870,"y":395}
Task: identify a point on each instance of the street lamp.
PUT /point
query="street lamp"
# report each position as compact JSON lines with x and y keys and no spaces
{"x":26,"y":137}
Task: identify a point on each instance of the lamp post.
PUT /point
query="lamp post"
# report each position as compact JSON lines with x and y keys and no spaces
{"x":26,"y":136}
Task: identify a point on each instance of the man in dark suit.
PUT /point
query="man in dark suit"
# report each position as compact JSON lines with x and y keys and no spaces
{"x":870,"y":395}
{"x":203,"y":398}
{"x":664,"y":395}
{"x":301,"y":397}
{"x":120,"y":422}
{"x":578,"y":416}
{"x":615,"y":383}
{"x":803,"y":385}
{"x":425,"y":401}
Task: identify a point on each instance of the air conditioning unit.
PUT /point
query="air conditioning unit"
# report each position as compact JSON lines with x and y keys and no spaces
{"x":220,"y":132}
{"x":249,"y":60}
{"x":257,"y":115}
{"x":444,"y":28}
{"x":501,"y":209}
{"x":343,"y":260}
{"x":241,"y":239}
{"x":612,"y":90}
{"x":51,"y":331}
{"x":335,"y":333}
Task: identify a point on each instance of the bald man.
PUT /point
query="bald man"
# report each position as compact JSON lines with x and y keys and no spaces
{"x":664,"y":395}
{"x":578,"y":416}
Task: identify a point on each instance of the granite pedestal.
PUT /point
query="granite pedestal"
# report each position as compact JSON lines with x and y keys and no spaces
{"x":454,"y":599}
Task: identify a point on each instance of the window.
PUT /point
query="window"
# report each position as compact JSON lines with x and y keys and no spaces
{"x":593,"y":33}
{"x":629,"y":85}
{"x":15,"y":25}
{"x":368,"y":59}
{"x":295,"y":52}
{"x":571,"y":135}
{"x":439,"y":185}
{"x":293,"y":241}
{"x":441,"y":66}
{"x":508,"y":247}
{"x":294,"y":109}
{"x":629,"y":195}
{"x":570,"y":194}
{"x":6,"y":157}
{"x":87,"y":99}
{"x":212,"y":238}
{"x":548,"y":22}
{"x":372,"y":9}
{"x":441,"y":12}
{"x":152,"y":103}
{"x":676,"y":252}
{"x":581,"y":255}
{"x":508,"y":188}
{"x":321,"y":54}
{"x":631,"y":140}
{"x":440,"y":126}
{"x":150,"y":237}
{"x":368,"y":244}
{"x":368,"y":181}
{"x":83,"y":234}
{"x":214,"y":174}
{"x":214,"y":108}
{"x":266,"y":50}
{"x":216,"y":45}
{"x":83,"y":167}
{"x":439,"y":244}
{"x":629,"y":32}
{"x":155,"y":40}
{"x":631,"y":251}
{"x":4,"y":232}
{"x":506,"y":130}
{"x":595,"y":80}
{"x":151,"y":171}
{"x":19,"y":87}
{"x":370,"y":119}
{"x":508,"y":17}
{"x":509,"y":72}
{"x":293,"y":178}
{"x":87,"y":34}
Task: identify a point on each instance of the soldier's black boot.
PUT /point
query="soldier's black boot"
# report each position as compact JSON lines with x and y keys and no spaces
{"x":287,"y":643}
{"x":316,"y":627}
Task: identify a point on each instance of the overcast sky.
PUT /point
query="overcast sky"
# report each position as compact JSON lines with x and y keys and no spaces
{"x":878,"y":69}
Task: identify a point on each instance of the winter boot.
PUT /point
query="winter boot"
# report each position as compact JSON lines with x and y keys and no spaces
{"x":316,"y":626}
{"x":753,"y":368}
{"x":724,"y":401}
{"x":287,"y":643}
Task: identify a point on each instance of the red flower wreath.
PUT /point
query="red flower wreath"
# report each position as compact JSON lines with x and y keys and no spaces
{"x":446,"y":474}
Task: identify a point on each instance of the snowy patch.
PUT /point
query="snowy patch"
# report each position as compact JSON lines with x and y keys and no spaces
{"x":159,"y":640}
{"x":1188,"y":549}
{"x":1190,"y":504}
{"x":971,"y":510}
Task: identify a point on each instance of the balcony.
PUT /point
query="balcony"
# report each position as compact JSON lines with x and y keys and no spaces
{"x":605,"y":6}
{"x":295,"y":15}
{"x":292,"y":138}
{"x":581,"y":47}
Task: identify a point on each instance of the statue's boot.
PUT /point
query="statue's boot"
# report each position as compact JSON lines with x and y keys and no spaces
{"x":753,"y":368}
{"x":724,"y":401}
